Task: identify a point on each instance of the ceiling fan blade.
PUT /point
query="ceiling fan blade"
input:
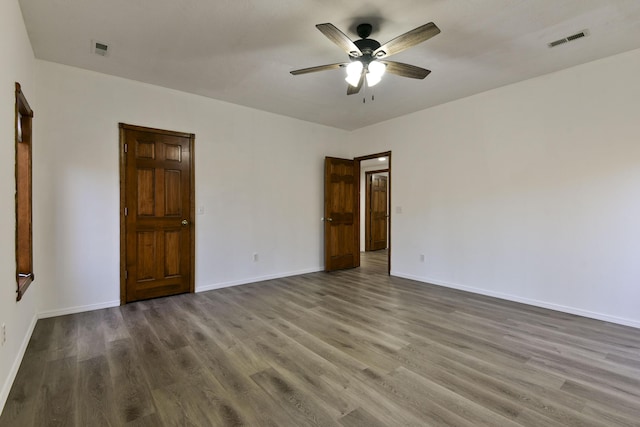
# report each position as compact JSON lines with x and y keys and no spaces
{"x":407,"y":40}
{"x":353,"y":90}
{"x":339,"y":38}
{"x":319,"y":68}
{"x":406,"y":70}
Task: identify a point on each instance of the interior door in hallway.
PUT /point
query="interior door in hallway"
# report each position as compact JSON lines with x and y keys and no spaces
{"x":157,"y":198}
{"x":341,"y":222}
{"x":376,"y":212}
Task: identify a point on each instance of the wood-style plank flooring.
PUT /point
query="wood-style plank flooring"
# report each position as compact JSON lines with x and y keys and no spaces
{"x":351,"y":348}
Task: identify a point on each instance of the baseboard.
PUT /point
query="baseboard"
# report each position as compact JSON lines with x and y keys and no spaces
{"x":78,"y":309}
{"x":528,"y":301}
{"x":255,"y":279}
{"x":6,"y":387}
{"x":109,"y":304}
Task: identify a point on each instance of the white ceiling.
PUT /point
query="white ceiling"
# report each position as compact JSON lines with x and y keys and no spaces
{"x":241,"y":51}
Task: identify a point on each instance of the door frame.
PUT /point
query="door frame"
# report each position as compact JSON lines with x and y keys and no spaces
{"x":367,"y":202}
{"x":359,"y":186}
{"x":123,"y":186}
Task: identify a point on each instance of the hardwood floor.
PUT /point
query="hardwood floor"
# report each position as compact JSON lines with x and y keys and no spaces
{"x":349,"y":348}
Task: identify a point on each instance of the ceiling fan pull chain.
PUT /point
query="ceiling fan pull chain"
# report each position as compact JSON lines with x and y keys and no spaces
{"x":364,"y":98}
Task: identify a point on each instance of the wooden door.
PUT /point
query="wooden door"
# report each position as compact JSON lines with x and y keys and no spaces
{"x":376,"y":216}
{"x":341,"y":224}
{"x":157,"y":213}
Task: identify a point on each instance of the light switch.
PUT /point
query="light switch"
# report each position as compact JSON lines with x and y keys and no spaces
{"x":398,"y":209}
{"x":200,"y":210}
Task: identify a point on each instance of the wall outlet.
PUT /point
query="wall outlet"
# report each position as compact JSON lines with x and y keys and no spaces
{"x":421,"y":257}
{"x":255,"y":257}
{"x":3,"y":334}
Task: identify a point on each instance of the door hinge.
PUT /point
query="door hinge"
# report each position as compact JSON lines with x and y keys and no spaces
{"x":126,"y":211}
{"x":126,"y":274}
{"x":126,"y":148}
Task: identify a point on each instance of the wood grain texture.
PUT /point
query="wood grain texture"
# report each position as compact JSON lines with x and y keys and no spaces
{"x":24,"y":192}
{"x":347,"y":348}
{"x":341,"y":238}
{"x":157,"y":202}
{"x":376,"y":203}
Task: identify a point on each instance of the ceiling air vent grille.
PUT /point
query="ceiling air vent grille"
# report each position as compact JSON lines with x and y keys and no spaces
{"x":99,"y":48}
{"x":570,"y":38}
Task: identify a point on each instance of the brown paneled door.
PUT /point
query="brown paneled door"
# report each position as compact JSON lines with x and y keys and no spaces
{"x":341,"y":222}
{"x":157,"y":211}
{"x":376,"y":214}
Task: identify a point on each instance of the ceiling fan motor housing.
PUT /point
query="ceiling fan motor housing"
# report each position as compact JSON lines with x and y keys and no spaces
{"x":364,"y":30}
{"x":367,"y":46}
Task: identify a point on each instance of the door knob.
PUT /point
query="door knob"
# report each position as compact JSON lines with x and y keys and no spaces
{"x":185,"y":222}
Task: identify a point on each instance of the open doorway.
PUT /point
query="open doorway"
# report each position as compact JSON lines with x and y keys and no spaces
{"x":374,"y":236}
{"x":375,"y":202}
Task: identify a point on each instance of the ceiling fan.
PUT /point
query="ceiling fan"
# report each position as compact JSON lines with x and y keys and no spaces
{"x":368,"y":58}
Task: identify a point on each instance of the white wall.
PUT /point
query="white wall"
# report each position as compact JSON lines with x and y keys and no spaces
{"x":16,"y":65}
{"x":529,"y":192}
{"x":258,"y":176}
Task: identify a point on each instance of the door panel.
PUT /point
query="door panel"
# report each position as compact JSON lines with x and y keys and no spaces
{"x":158,"y":197}
{"x":172,"y":190}
{"x":172,"y":253}
{"x":340,"y":213}
{"x":146,"y":256}
{"x":146,"y":192}
{"x":378,"y":212}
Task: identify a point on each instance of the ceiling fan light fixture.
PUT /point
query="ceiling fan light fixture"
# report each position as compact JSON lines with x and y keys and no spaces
{"x":354,"y":71}
{"x":375,"y":70}
{"x":353,"y":80}
{"x":373,"y":79}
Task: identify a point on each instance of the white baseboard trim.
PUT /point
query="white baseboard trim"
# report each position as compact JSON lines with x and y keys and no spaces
{"x":6,"y":387}
{"x":256,"y":279}
{"x":533,"y":302}
{"x":77,"y":309}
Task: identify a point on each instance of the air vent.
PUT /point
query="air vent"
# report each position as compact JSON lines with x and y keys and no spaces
{"x":570,"y":38}
{"x":576,"y":36}
{"x":99,"y":48}
{"x":558,"y":42}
